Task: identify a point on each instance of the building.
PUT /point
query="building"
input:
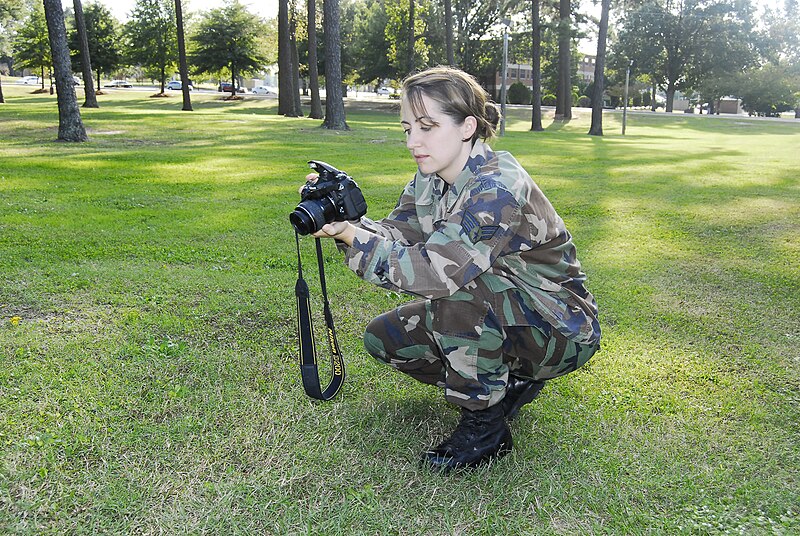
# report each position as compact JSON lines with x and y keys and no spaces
{"x":586,"y":67}
{"x":522,"y":72}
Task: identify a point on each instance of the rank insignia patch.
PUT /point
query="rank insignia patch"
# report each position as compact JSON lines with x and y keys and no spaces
{"x":475,"y":231}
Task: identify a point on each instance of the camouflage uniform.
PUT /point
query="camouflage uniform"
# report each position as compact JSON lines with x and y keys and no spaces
{"x":501,"y":288}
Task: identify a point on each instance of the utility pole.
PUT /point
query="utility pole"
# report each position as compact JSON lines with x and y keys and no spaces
{"x":625,"y":97}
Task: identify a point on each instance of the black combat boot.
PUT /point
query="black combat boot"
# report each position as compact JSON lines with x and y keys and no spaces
{"x":518,"y":393}
{"x":479,"y":437}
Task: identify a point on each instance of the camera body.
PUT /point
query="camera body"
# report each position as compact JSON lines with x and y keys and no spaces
{"x":334,"y":196}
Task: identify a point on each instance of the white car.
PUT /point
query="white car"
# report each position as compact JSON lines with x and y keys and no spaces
{"x":265,"y":90}
{"x":29,"y":80}
{"x":383,"y":91}
{"x":177,"y":84}
{"x":118,"y":83}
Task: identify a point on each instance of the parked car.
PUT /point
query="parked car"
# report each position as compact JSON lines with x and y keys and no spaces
{"x":228,"y":87}
{"x":384,"y":91}
{"x":76,"y":81}
{"x":29,"y":80}
{"x":265,"y":90}
{"x":177,"y":84}
{"x":118,"y":83}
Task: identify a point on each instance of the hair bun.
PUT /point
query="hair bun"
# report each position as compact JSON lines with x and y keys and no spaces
{"x":492,"y":114}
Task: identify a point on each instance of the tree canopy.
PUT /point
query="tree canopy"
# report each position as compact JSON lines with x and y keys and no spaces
{"x":229,"y":39}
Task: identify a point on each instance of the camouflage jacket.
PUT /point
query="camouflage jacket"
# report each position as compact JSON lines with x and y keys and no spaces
{"x":493,"y":223}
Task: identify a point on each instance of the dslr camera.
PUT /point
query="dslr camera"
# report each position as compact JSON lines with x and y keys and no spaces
{"x":334,"y":196}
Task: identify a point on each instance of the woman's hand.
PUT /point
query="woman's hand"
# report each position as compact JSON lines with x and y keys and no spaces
{"x":339,"y":230}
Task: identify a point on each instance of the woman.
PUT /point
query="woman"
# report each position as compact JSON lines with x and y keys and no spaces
{"x":502,"y":304}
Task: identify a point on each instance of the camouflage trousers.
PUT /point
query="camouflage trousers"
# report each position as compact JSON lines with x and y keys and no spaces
{"x":460,"y":344}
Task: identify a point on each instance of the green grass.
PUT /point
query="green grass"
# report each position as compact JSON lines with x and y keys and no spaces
{"x":148,"y":381}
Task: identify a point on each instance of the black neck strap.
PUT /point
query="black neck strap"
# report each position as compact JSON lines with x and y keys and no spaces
{"x":305,"y":334}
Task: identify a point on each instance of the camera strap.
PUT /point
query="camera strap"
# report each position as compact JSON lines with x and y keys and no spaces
{"x":305,"y":334}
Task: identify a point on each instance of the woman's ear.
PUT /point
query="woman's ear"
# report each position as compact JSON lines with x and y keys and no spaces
{"x":468,"y":128}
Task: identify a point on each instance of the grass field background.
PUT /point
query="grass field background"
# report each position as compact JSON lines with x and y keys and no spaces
{"x":148,"y":377}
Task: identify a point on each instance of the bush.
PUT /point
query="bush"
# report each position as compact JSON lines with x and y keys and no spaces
{"x":584,"y":101}
{"x":519,"y":93}
{"x":549,"y":100}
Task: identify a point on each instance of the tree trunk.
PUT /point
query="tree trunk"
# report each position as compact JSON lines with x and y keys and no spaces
{"x":70,"y":126}
{"x":653,"y":103}
{"x":2,"y":98}
{"x":564,"y":92}
{"x":285,"y":99}
{"x":183,"y":68}
{"x":411,"y":37}
{"x":90,"y":100}
{"x":448,"y":32}
{"x":796,"y":110}
{"x":334,"y":103}
{"x":599,"y":71}
{"x":536,"y":64}
{"x":563,"y":85}
{"x":670,"y":96}
{"x":297,"y":108}
{"x":313,"y":62}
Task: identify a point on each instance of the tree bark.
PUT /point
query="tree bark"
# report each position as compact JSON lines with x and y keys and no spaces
{"x":297,"y":108}
{"x":599,"y":71}
{"x":564,"y":91}
{"x":90,"y":99}
{"x":536,"y":64}
{"x":183,"y":68}
{"x":670,"y":96}
{"x":313,"y":62}
{"x":411,"y":37}
{"x":285,"y":99}
{"x":2,"y":98}
{"x":448,"y":29}
{"x":334,"y":103}
{"x":70,"y":126}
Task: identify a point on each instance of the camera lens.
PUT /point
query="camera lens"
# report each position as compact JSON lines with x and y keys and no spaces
{"x":311,"y":215}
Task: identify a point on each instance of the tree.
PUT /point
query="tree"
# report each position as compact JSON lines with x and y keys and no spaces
{"x":151,"y":38}
{"x":297,"y":110}
{"x":229,"y":38}
{"x":286,"y":82}
{"x":183,"y":67}
{"x":536,"y":65}
{"x":685,"y":40}
{"x":768,"y":91}
{"x":334,"y":104}
{"x":405,"y":30}
{"x":90,"y":100}
{"x":564,"y":88}
{"x":9,"y":13}
{"x":371,"y":43}
{"x":784,"y":40}
{"x":102,"y":33}
{"x":313,"y":62}
{"x":70,"y":125}
{"x":596,"y":128}
{"x":31,"y":45}
{"x":448,"y":25}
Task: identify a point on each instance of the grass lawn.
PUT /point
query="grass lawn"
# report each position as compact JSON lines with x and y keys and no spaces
{"x":148,"y":376}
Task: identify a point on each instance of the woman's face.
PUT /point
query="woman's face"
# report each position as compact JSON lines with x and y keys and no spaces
{"x":435,"y":140}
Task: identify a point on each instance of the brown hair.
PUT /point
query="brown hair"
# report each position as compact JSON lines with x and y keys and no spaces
{"x":458,"y":94}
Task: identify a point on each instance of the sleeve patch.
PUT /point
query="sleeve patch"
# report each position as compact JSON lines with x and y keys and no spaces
{"x":474,"y":231}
